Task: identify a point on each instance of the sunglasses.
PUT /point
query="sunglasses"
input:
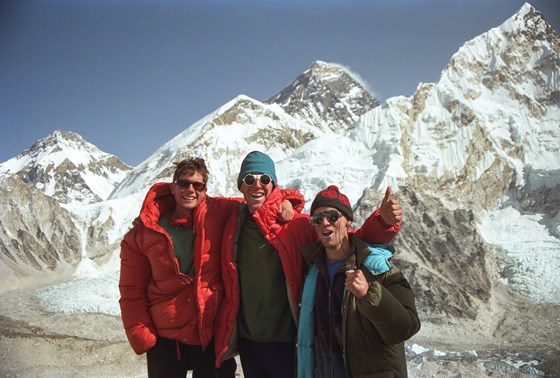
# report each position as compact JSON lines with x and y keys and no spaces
{"x":183,"y":183}
{"x":331,"y":215}
{"x":251,"y":179}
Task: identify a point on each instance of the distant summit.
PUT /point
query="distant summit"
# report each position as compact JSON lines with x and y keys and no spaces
{"x":326,"y":95}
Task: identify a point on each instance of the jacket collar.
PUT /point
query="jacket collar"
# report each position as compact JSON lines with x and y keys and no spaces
{"x":267,"y":214}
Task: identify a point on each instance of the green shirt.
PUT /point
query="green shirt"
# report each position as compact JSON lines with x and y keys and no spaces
{"x":183,"y":244}
{"x":264,"y":311}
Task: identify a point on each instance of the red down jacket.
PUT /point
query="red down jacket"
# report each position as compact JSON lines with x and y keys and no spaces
{"x":287,"y":239}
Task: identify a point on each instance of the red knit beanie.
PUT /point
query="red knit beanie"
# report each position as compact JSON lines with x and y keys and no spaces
{"x":333,"y":198}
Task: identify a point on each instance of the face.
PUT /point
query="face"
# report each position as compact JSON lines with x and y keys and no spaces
{"x":186,"y":196}
{"x":331,"y":234}
{"x":256,"y":194}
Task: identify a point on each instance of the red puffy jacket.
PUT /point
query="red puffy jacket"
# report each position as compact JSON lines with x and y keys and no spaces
{"x":156,"y":298}
{"x":287,"y":239}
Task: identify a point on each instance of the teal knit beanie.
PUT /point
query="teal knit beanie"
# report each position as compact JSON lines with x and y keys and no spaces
{"x":257,"y":162}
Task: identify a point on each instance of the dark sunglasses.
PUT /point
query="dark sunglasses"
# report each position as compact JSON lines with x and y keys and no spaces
{"x":198,"y":186}
{"x":251,"y":179}
{"x":331,"y":215}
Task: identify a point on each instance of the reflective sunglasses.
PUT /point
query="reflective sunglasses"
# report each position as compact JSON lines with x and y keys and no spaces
{"x":183,"y":183}
{"x":331,"y":215}
{"x":251,"y":179}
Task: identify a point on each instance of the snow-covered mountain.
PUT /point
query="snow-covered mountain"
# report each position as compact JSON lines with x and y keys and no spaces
{"x":66,"y":167}
{"x":52,"y":220}
{"x":474,"y":158}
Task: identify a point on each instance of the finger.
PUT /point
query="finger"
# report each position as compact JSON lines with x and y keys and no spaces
{"x":350,"y":282}
{"x":387,"y":194}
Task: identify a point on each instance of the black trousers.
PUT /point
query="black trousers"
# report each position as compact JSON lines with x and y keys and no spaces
{"x":267,"y":360}
{"x":172,"y":359}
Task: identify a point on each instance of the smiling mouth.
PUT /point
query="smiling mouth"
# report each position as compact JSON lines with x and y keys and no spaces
{"x":327,"y":233}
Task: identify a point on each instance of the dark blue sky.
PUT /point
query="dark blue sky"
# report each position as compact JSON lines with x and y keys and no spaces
{"x":129,"y":75}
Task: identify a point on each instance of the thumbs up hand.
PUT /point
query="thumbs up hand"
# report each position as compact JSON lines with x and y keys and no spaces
{"x":390,"y":209}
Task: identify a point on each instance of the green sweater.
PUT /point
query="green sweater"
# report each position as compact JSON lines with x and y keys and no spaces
{"x":183,"y":244}
{"x":264,"y":311}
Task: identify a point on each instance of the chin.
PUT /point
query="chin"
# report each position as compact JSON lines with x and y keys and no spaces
{"x":328,"y":243}
{"x":254,"y":205}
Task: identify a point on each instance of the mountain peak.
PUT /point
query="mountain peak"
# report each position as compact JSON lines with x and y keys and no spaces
{"x":331,"y":71}
{"x":327,"y":96}
{"x":325,"y":69}
{"x":530,"y":22}
{"x":58,"y":138}
{"x":65,"y":135}
{"x":527,"y":11}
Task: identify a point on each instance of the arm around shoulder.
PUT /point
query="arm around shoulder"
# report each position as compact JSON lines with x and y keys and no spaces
{"x":296,"y":198}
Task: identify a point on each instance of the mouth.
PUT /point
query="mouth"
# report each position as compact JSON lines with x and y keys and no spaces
{"x":327,"y":233}
{"x":257,"y":196}
{"x":188,"y":198}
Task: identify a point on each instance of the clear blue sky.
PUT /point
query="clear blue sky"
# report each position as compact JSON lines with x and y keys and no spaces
{"x":129,"y":75}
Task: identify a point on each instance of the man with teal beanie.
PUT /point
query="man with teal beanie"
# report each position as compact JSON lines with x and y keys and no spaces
{"x":262,"y":277}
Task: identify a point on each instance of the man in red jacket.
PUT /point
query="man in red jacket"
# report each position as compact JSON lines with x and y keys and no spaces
{"x":170,"y":281}
{"x":263,"y":272}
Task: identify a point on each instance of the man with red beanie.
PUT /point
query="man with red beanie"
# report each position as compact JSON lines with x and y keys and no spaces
{"x":357,"y":308}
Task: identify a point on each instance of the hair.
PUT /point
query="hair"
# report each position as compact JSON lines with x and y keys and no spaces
{"x":190,"y":166}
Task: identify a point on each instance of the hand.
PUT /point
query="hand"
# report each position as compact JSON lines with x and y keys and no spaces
{"x":356,"y":283}
{"x":390,"y":209}
{"x":286,"y":212}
